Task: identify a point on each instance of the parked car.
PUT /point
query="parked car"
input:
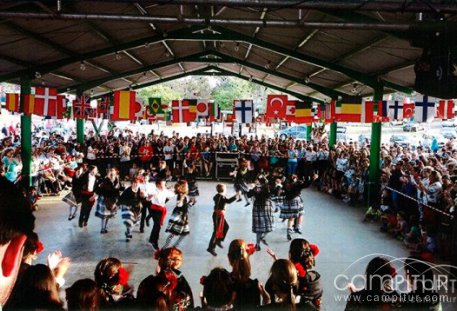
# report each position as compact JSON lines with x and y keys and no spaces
{"x":401,"y":140}
{"x":449,"y":134}
{"x":292,"y":131}
{"x":413,"y":127}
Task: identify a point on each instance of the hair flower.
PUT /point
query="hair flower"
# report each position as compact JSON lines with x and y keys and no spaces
{"x":300,"y":270}
{"x":123,"y":276}
{"x":203,"y":279}
{"x":250,"y":248}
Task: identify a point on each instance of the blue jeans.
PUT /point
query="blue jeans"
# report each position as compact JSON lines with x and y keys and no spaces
{"x":291,"y":167}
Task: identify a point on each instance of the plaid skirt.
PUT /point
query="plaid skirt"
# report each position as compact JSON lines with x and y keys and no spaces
{"x":291,"y":208}
{"x":129,"y":218}
{"x":178,"y":223}
{"x":262,"y":217}
{"x":241,"y":186}
{"x":70,"y":199}
{"x":101,"y":211}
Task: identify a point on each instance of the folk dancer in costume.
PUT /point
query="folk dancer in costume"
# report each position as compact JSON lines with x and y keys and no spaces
{"x":292,"y":204}
{"x":241,"y":186}
{"x":88,"y":182}
{"x":158,"y":197}
{"x":130,"y":205}
{"x":108,"y":193}
{"x":262,"y":211}
{"x":190,"y":176}
{"x":73,"y":198}
{"x":220,"y":225}
{"x":179,"y":221}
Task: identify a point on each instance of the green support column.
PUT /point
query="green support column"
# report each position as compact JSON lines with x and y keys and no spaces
{"x":375,"y":148}
{"x":332,"y":136}
{"x":26,"y":135}
{"x":309,"y":131}
{"x":80,"y":125}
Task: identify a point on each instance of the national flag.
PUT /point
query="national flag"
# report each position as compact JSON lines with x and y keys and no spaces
{"x":12,"y":102}
{"x":229,"y":117}
{"x":202,"y":108}
{"x":408,"y":109}
{"x":28,"y":104}
{"x":395,"y":110}
{"x":327,"y":111}
{"x":124,"y":106}
{"x":61,"y":107}
{"x":138,"y":110}
{"x":103,"y":107}
{"x":181,"y":112}
{"x":425,"y":108}
{"x":349,"y":109}
{"x":445,"y":109}
{"x":155,"y":105}
{"x":192,"y":103}
{"x":244,"y":111}
{"x":367,"y":115}
{"x":81,"y":107}
{"x":290,"y":111}
{"x":276,"y":106}
{"x":45,"y":101}
{"x":303,"y":112}
{"x":215,"y":112}
{"x":383,"y":111}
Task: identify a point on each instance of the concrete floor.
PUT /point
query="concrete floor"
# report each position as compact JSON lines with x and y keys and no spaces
{"x":335,"y":227}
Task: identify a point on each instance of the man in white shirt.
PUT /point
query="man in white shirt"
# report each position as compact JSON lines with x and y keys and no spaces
{"x":88,"y":182}
{"x":159,"y":196}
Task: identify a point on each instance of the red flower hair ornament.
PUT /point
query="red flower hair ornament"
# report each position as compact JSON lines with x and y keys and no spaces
{"x":314,"y":249}
{"x":203,"y":279}
{"x":250,"y":248}
{"x":123,"y":276}
{"x":300,"y":270}
{"x":39,"y":247}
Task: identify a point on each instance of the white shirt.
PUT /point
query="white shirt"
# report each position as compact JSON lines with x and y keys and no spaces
{"x":91,"y":183}
{"x":160,"y":196}
{"x":148,"y":188}
{"x":166,"y":150}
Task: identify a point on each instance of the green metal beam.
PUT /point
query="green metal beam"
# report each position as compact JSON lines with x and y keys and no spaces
{"x":199,"y":57}
{"x":219,"y":34}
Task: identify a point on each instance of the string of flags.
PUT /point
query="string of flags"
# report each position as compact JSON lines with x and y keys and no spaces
{"x":125,"y":106}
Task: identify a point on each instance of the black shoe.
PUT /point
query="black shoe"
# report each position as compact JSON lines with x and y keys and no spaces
{"x":212,"y":252}
{"x":102,"y":231}
{"x":247,"y":204}
{"x":289,"y":238}
{"x":141,"y":230}
{"x":155,"y":245}
{"x":297,"y":230}
{"x":219,"y":244}
{"x":257,"y":247}
{"x":264,"y":242}
{"x":147,"y":222}
{"x":81,"y":224}
{"x":239,"y":200}
{"x":69,"y":218}
{"x":85,"y":224}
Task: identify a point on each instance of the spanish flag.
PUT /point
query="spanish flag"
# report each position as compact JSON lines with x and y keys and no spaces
{"x":29,"y":104}
{"x":12,"y":102}
{"x":303,"y":112}
{"x":124,"y":106}
{"x":349,"y":109}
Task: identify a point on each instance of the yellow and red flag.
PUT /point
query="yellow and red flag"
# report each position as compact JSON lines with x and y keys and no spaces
{"x":124,"y":106}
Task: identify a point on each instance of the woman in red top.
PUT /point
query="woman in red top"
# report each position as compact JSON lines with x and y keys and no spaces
{"x":145,"y":151}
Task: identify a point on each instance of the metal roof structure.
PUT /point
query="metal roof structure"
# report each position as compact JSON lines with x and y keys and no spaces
{"x":310,"y":49}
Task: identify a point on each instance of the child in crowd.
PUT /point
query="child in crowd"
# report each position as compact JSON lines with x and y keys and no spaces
{"x":83,"y":295}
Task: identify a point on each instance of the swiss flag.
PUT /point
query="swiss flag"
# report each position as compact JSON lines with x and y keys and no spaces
{"x":45,"y":102}
{"x":445,"y":109}
{"x":276,"y":106}
{"x":290,"y":111}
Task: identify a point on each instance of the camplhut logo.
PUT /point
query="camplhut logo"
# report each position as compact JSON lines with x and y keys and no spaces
{"x":381,"y":278}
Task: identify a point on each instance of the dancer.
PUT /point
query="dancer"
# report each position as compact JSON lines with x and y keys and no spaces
{"x":191,"y":177}
{"x":130,"y":204}
{"x":241,"y":175}
{"x":262,"y":211}
{"x":157,"y":210}
{"x":88,"y":182}
{"x":73,"y":198}
{"x":221,"y":226}
{"x":147,"y":187}
{"x":292,"y":205}
{"x":108,"y":193}
{"x":179,"y":221}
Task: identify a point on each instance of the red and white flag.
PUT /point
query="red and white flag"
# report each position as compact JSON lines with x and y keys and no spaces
{"x":103,"y":107}
{"x":367,"y":115}
{"x":45,"y":102}
{"x":61,"y":107}
{"x":276,"y":106}
{"x":445,"y":109}
{"x":408,"y":108}
{"x":290,"y":111}
{"x":180,"y":109}
{"x":202,"y":108}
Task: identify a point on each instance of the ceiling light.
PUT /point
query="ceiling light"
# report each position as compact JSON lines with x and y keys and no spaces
{"x":82,"y":66}
{"x":307,"y":80}
{"x":37,"y":75}
{"x":118,"y":56}
{"x":268,"y":65}
{"x":237,"y":47}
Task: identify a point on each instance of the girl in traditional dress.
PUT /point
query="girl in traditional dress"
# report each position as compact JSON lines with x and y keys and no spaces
{"x":108,"y":193}
{"x":179,"y":220}
{"x":262,"y":211}
{"x":191,"y":177}
{"x":241,"y":186}
{"x":221,"y":226}
{"x":130,"y":204}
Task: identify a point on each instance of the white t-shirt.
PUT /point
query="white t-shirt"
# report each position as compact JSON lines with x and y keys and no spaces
{"x":166,"y":150}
